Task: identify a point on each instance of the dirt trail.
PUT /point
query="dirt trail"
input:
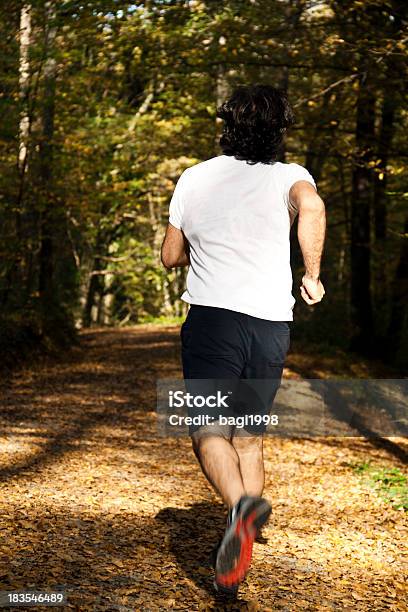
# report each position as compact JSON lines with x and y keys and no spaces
{"x":94,"y":501}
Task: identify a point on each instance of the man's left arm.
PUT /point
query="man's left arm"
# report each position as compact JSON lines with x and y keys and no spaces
{"x":175,"y":250}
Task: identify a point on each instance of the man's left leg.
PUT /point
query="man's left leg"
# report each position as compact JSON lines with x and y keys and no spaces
{"x":221,"y":465}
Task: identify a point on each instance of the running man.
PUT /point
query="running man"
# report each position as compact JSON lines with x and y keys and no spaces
{"x":229,"y":221}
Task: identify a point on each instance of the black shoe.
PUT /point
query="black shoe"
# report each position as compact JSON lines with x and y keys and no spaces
{"x":235,"y":551}
{"x":214,"y":553}
{"x":260,"y":538}
{"x":227,"y":592}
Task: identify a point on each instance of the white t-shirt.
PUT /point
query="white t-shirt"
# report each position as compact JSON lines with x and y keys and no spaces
{"x":236,"y":219}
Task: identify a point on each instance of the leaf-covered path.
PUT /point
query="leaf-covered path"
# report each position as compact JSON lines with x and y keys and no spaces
{"x":94,"y":501}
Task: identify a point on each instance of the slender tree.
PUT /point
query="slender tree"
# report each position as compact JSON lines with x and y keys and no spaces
{"x":361,"y":200}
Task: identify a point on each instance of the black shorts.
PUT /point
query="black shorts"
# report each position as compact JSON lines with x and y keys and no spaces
{"x":221,"y":348}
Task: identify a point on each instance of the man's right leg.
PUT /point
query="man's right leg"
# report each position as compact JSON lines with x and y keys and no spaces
{"x":249,"y":450}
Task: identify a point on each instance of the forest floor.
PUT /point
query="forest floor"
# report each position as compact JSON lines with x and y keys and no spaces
{"x":95,"y":502}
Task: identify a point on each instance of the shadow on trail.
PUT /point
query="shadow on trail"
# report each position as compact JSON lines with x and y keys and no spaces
{"x":110,"y":381}
{"x":342,"y":411}
{"x":193,"y":533}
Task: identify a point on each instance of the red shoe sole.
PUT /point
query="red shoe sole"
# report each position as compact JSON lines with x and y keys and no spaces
{"x":235,"y":554}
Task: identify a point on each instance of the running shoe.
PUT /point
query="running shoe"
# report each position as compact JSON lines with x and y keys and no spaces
{"x":235,"y":551}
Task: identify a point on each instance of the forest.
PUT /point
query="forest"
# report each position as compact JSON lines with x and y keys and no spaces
{"x":104,"y":103}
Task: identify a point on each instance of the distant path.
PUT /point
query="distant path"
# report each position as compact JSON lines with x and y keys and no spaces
{"x":92,"y":499}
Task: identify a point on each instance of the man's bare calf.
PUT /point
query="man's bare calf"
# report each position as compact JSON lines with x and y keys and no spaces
{"x":234,"y":466}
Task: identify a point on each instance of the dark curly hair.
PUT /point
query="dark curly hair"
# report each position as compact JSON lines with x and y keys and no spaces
{"x":255,"y":120}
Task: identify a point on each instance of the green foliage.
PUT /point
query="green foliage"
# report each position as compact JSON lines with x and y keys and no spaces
{"x":135,"y":97}
{"x":163,"y":320}
{"x":391,"y":483}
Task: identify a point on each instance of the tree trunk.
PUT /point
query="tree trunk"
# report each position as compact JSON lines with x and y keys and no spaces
{"x":380,"y":183}
{"x":390,"y":103}
{"x":362,"y":183}
{"x":95,"y":289}
{"x":24,"y":84}
{"x":13,"y":277}
{"x":381,"y":263}
{"x":397,"y":331}
{"x":48,"y":217}
{"x":321,"y":143}
{"x":221,"y":94}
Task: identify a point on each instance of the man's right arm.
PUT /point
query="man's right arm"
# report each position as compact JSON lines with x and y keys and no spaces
{"x":311,"y":234}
